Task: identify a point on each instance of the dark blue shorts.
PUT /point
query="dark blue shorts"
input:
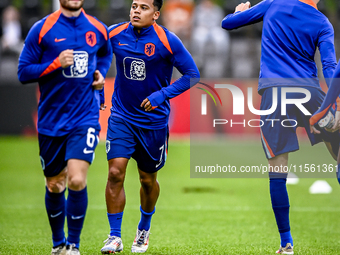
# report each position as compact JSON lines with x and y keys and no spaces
{"x":55,"y":151}
{"x":278,"y":133}
{"x":148,"y":147}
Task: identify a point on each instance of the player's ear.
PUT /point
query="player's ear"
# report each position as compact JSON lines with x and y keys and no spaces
{"x":156,"y":15}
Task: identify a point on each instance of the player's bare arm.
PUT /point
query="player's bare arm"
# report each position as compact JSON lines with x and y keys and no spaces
{"x":99,"y":81}
{"x":66,"y":58}
{"x":147,"y":105}
{"x":242,"y":7}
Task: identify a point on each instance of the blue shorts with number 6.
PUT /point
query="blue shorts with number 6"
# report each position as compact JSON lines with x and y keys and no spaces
{"x":148,"y":147}
{"x":56,"y":151}
{"x":278,"y":133}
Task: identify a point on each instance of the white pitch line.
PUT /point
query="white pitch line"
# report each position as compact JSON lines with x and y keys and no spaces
{"x":187,"y":208}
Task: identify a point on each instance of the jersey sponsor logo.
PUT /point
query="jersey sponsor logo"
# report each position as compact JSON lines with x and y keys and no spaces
{"x":59,"y":40}
{"x":80,"y":67}
{"x":122,"y":44}
{"x":149,"y":49}
{"x":91,"y":38}
{"x":134,"y":68}
{"x":86,"y":151}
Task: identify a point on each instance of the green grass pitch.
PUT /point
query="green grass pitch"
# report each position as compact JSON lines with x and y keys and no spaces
{"x":193,"y":216}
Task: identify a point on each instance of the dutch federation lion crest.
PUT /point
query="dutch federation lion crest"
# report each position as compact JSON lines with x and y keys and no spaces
{"x":137,"y":71}
{"x":80,"y":66}
{"x":134,"y":68}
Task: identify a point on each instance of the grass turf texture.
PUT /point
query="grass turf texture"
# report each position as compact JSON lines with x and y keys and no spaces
{"x":193,"y":216}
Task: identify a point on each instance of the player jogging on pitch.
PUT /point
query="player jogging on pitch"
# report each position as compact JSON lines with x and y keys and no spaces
{"x":292,"y":29}
{"x":138,"y":126}
{"x":69,"y":54}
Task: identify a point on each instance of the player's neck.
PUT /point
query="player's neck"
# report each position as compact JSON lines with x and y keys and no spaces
{"x":139,"y":29}
{"x":316,"y":1}
{"x":69,"y":14}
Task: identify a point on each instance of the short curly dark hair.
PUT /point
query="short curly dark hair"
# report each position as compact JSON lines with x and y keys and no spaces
{"x":158,"y":4}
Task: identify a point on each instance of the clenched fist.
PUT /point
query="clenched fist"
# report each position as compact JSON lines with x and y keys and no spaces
{"x":66,"y":58}
{"x":242,"y":7}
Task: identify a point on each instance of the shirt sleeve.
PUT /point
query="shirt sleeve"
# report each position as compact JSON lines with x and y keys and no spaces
{"x":252,"y":15}
{"x":327,"y":52}
{"x":102,"y":96}
{"x":104,"y":59}
{"x":185,"y":64}
{"x":331,"y":97}
{"x":30,"y":69}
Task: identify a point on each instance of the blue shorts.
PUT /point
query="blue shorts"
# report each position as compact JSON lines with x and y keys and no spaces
{"x":55,"y":151}
{"x":278,"y":133}
{"x":148,"y":147}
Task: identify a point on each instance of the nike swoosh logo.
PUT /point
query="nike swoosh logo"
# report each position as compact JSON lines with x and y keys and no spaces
{"x":56,"y":215}
{"x":87,"y":151}
{"x":59,"y":40}
{"x":122,"y":44}
{"x":77,"y":217}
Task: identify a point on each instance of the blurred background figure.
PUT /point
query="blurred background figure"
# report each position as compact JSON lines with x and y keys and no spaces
{"x":11,"y":41}
{"x":176,"y":17}
{"x":210,"y":43}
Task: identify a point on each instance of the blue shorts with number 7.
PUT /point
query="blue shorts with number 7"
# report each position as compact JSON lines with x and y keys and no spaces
{"x":148,"y":147}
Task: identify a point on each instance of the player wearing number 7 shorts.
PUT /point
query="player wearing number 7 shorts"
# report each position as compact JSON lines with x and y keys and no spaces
{"x":138,"y":126}
{"x":68,"y":53}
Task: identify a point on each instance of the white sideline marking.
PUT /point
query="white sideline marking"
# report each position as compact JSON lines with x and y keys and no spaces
{"x":190,"y":208}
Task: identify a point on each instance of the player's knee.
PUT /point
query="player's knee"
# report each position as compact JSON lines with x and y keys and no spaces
{"x":76,"y":183}
{"x":116,"y":175}
{"x":148,"y":183}
{"x":55,"y":186}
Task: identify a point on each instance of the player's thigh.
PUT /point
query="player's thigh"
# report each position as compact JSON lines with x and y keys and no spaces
{"x":152,"y":149}
{"x":52,"y":154}
{"x":77,"y":173}
{"x":120,"y":141}
{"x":278,"y":132}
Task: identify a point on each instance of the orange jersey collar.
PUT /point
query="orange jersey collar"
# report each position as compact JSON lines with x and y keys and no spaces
{"x":309,"y":2}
